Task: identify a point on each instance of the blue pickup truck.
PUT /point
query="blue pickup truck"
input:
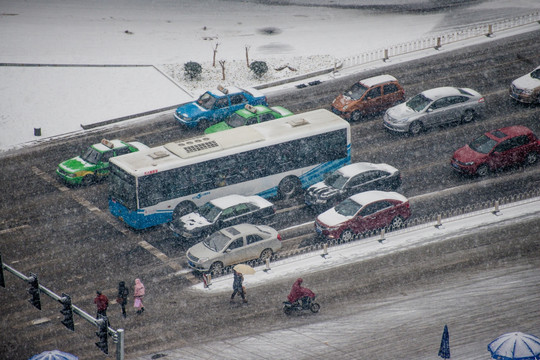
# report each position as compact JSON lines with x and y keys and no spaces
{"x":215,"y":105}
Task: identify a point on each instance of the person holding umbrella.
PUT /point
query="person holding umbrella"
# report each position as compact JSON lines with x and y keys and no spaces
{"x":238,"y":287}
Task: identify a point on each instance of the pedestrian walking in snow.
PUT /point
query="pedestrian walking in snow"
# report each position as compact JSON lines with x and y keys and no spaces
{"x":138,"y":294}
{"x":122,"y":296}
{"x":238,"y":287}
{"x":102,"y":303}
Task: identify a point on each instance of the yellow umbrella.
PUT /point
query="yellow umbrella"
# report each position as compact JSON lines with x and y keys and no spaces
{"x":244,"y":269}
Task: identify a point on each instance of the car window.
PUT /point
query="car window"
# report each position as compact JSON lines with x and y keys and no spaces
{"x":418,"y":102}
{"x":536,"y":74}
{"x":238,"y":99}
{"x":373,"y":93}
{"x":227,"y":213}
{"x":267,"y":116}
{"x":371,"y":175}
{"x":241,"y":209}
{"x":348,"y":207}
{"x":356,"y":91}
{"x":512,"y":143}
{"x":482,"y":144}
{"x":221,"y":103}
{"x":206,"y":100}
{"x":452,"y":100}
{"x":122,"y":151}
{"x":390,"y":88}
{"x":107,"y":155}
{"x":235,"y":120}
{"x":253,"y":238}
{"x":252,"y":120}
{"x":238,"y":243}
{"x":356,"y":180}
{"x":521,"y":140}
{"x":91,"y":155}
{"x":439,"y":104}
{"x":369,"y":210}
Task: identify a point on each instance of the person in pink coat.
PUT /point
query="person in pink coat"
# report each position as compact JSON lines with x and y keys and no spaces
{"x":138,"y":294}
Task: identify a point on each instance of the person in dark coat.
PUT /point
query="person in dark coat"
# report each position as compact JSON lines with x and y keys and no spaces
{"x":102,"y":303}
{"x":299,"y":292}
{"x":122,"y":296}
{"x":237,"y":286}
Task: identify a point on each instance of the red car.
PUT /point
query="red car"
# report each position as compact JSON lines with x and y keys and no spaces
{"x":497,"y":149}
{"x":363,"y":212}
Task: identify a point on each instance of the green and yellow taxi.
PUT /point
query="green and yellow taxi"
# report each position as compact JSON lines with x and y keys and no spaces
{"x":93,"y":164}
{"x":249,"y":115}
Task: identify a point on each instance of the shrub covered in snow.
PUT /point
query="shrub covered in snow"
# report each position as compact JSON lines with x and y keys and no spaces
{"x":192,"y":70}
{"x":259,"y":68}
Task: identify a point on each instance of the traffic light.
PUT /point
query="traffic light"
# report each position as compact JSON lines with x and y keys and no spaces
{"x":34,"y":291}
{"x":102,"y":324}
{"x":67,"y":311}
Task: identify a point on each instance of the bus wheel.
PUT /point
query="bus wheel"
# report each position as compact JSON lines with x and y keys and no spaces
{"x":289,"y":187}
{"x":183,"y":208}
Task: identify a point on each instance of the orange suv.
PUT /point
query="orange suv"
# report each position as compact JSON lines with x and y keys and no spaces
{"x":369,"y":96}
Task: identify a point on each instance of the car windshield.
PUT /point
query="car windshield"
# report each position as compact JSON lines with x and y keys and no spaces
{"x":235,"y":120}
{"x":91,"y":155}
{"x":348,"y":207}
{"x":418,"y":102}
{"x":483,"y":144}
{"x":206,"y":100}
{"x":209,"y":211}
{"x":356,"y":91}
{"x":536,"y":74}
{"x":336,"y":180}
{"x":217,"y":241}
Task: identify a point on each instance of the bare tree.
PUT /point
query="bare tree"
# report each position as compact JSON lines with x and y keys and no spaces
{"x":215,"y":52}
{"x":222,"y":63}
{"x":247,"y":55}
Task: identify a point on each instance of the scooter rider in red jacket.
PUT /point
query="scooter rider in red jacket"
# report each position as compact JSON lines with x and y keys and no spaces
{"x":299,"y":292}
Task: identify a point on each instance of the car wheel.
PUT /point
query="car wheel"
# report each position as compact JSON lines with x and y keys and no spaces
{"x":356,"y":115}
{"x":287,"y":310}
{"x":416,"y":127}
{"x":203,"y":124}
{"x":88,"y":180}
{"x":397,"y":223}
{"x":182,"y":209}
{"x":467,"y":117}
{"x":531,"y":158}
{"x":289,"y":187}
{"x":315,"y":307}
{"x":266,"y":254}
{"x":347,"y":235}
{"x":216,"y":268}
{"x":482,"y":170}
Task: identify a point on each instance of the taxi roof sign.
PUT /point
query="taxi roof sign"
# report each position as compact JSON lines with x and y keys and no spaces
{"x":107,"y":143}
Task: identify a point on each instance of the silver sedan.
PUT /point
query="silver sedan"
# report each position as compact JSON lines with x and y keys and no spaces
{"x":435,"y":107}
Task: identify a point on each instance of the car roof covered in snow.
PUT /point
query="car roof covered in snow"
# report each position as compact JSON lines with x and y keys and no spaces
{"x":376,"y":80}
{"x":234,"y":199}
{"x":368,"y":197}
{"x":437,"y":93}
{"x":360,"y":167}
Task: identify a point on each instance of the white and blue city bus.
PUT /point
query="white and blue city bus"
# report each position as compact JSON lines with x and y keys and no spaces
{"x":275,"y":158}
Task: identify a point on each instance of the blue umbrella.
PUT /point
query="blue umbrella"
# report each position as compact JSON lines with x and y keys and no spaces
{"x":515,"y":346}
{"x":54,"y":355}
{"x":444,"y":350}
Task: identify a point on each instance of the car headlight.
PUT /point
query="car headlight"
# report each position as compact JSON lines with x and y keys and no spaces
{"x":185,"y":117}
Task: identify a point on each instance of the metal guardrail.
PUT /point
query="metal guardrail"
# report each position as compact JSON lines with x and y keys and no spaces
{"x":437,"y":41}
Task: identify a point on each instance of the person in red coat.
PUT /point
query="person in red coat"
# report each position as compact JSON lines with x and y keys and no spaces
{"x":102,"y":303}
{"x":299,"y":292}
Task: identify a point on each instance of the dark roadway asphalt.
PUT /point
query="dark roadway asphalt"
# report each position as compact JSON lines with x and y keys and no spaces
{"x":68,"y":238}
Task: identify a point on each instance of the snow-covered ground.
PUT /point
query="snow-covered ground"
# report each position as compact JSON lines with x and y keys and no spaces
{"x":166,"y":34}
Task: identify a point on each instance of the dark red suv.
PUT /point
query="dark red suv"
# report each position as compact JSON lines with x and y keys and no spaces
{"x":497,"y":149}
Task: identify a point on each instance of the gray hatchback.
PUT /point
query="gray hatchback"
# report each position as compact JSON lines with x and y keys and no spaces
{"x":435,"y":107}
